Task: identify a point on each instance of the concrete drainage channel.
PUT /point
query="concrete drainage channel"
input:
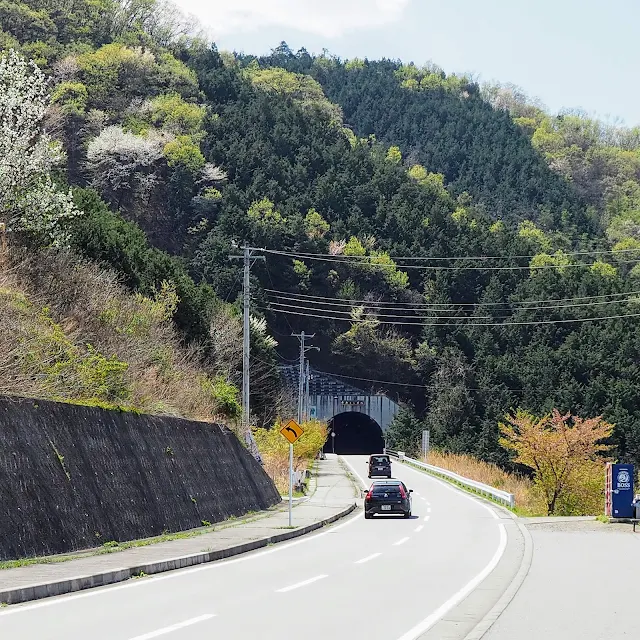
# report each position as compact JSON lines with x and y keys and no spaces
{"x":57,"y":588}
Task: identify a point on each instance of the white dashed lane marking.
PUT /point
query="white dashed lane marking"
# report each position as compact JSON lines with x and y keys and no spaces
{"x":401,"y":541}
{"x":300,"y":584}
{"x":371,"y":557}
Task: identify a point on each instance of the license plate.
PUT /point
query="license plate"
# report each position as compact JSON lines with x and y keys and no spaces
{"x":380,"y":468}
{"x":386,"y":507}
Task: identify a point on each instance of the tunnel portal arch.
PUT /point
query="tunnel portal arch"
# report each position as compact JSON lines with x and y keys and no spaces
{"x":355,"y":433}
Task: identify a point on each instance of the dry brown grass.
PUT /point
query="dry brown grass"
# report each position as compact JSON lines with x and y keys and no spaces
{"x":469,"y":467}
{"x":57,"y":311}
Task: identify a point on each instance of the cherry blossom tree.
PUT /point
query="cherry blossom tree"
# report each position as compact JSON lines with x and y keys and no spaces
{"x":30,"y":201}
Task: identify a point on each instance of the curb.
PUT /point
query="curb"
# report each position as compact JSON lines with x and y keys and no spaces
{"x":70,"y":585}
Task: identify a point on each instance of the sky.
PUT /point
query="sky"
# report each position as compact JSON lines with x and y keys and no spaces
{"x":567,"y":53}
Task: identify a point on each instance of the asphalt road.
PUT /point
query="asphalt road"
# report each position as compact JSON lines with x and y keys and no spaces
{"x":382,"y":579}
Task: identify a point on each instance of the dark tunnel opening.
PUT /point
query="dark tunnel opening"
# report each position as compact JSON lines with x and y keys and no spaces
{"x":356,"y":433}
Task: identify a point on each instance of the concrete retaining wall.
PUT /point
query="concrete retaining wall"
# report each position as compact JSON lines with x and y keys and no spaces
{"x":74,"y":477}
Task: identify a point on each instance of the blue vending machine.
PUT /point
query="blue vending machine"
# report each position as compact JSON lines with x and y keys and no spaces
{"x":620,"y":490}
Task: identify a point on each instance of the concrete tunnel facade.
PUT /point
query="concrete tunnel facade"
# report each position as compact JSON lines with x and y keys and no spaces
{"x":359,"y":418}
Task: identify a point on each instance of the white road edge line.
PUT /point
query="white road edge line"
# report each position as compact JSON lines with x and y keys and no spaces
{"x":443,"y":609}
{"x":174,"y":627}
{"x":171,"y":575}
{"x":355,"y":473}
{"x":419,"y":529}
{"x":301,"y":584}
{"x":401,"y":541}
{"x":371,"y":557}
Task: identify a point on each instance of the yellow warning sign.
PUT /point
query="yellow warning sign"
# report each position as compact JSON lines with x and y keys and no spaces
{"x":292,"y":431}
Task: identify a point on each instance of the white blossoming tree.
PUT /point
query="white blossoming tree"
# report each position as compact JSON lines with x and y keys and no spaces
{"x":30,"y":202}
{"x":124,"y":166}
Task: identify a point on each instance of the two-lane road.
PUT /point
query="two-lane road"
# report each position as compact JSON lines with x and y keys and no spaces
{"x":380,"y":579}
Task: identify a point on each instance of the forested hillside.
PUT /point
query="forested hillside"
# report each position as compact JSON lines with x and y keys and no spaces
{"x":474,"y":253}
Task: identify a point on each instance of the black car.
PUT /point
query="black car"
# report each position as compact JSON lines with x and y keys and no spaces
{"x":379,"y":465}
{"x":388,"y":497}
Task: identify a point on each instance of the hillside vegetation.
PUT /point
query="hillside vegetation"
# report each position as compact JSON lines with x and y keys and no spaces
{"x":453,"y":241}
{"x":72,"y":333}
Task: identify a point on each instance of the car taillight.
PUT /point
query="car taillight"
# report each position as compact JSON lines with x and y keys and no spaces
{"x":403,"y":494}
{"x":369,"y":494}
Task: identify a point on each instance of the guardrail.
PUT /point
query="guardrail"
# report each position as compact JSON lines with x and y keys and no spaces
{"x":503,"y":497}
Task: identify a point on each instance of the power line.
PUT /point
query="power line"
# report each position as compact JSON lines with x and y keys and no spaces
{"x":381,"y":315}
{"x":424,"y":307}
{"x":441,"y":258}
{"x":455,"y":304}
{"x":450,"y":324}
{"x":417,"y":386}
{"x":370,"y":262}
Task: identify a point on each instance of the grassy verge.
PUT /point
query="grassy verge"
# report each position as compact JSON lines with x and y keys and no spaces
{"x":527,"y":505}
{"x":459,"y":485}
{"x":275,"y":453}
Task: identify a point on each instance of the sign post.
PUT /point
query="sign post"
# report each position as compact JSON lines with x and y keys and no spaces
{"x":292,"y":432}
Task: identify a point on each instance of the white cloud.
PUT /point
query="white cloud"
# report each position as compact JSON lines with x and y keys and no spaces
{"x":327,"y":18}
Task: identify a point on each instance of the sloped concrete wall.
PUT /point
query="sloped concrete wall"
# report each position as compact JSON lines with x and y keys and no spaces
{"x":74,"y":477}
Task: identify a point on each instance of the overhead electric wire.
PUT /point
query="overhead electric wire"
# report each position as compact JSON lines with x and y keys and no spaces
{"x":266,"y":265}
{"x":459,"y":324}
{"x":464,"y":304}
{"x":382,"y":315}
{"x":370,"y":261}
{"x":442,"y":258}
{"x":422,"y":307}
{"x":417,"y":386}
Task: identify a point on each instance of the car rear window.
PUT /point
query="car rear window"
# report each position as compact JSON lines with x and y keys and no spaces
{"x":379,"y":460}
{"x":385,"y":488}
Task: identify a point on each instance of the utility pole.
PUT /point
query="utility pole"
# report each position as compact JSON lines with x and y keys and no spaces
{"x":247,"y":257}
{"x":303,"y":349}
{"x":306,"y":394}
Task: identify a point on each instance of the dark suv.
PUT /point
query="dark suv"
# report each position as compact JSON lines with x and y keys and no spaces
{"x":388,"y":497}
{"x":379,"y":465}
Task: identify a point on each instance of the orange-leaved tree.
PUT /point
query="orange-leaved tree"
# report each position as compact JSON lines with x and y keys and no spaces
{"x":564,"y":452}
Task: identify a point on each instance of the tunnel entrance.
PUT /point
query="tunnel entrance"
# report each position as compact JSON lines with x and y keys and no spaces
{"x":356,"y":433}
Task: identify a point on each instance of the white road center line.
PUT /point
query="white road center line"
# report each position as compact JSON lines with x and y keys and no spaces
{"x":401,"y":541}
{"x":426,"y":518}
{"x":301,"y":584}
{"x":174,"y":627}
{"x":428,"y":509}
{"x":420,"y":528}
{"x":371,"y":557}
